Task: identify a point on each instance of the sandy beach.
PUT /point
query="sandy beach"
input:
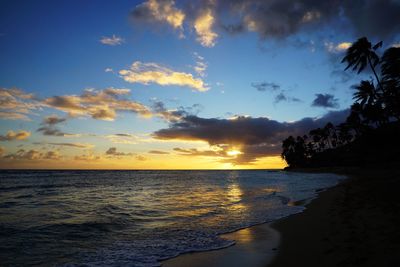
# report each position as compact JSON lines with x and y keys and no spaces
{"x":255,"y":246}
{"x":352,"y":224}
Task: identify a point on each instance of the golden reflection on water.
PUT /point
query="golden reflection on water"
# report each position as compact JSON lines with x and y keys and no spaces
{"x":234,"y":193}
{"x":205,"y":199}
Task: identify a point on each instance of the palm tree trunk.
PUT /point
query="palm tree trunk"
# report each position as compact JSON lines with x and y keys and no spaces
{"x":376,"y":76}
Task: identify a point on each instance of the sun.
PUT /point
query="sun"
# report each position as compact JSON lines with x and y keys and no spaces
{"x":233,"y":152}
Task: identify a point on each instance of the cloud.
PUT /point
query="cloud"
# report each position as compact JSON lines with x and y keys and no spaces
{"x":203,"y":153}
{"x":51,"y":131}
{"x":146,"y":73}
{"x":53,"y":120}
{"x":340,"y":47}
{"x":141,"y":158}
{"x":113,"y":40}
{"x":201,"y":66}
{"x":22,"y":154}
{"x":11,"y":136}
{"x":282,"y":97}
{"x":49,"y":127}
{"x":254,"y":137}
{"x":87,"y":157}
{"x":54,"y":155}
{"x":377,"y":19}
{"x":99,"y":104}
{"x":203,"y":25}
{"x":373,"y":18}
{"x":112,"y":151}
{"x":279,"y":19}
{"x":15,"y":104}
{"x":325,"y":101}
{"x":33,"y":155}
{"x":158,"y":152}
{"x":123,"y":138}
{"x":76,"y":145}
{"x":266,"y":86}
{"x":169,"y":115}
{"x":162,"y":11}
{"x":280,"y":94}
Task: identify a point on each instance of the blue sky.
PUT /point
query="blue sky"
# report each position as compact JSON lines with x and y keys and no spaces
{"x":55,"y":48}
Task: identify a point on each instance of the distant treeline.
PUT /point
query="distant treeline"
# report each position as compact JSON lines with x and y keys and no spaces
{"x":371,"y":133}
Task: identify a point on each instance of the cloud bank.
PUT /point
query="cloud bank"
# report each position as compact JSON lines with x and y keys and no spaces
{"x":273,"y":18}
{"x":254,"y":137}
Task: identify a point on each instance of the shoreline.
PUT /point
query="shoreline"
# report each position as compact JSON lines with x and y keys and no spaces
{"x":353,"y":223}
{"x":256,"y":245}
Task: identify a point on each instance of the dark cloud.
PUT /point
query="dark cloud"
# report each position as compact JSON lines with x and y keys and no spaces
{"x":196,"y":152}
{"x":171,"y":115}
{"x":32,"y":154}
{"x":280,"y":94}
{"x":141,"y":158}
{"x":11,"y":135}
{"x":374,"y":18}
{"x":325,"y":101}
{"x":76,"y":145}
{"x":53,"y":131}
{"x":49,"y":126}
{"x":124,"y":135}
{"x":158,"y":152}
{"x":282,"y":97}
{"x":264,"y":86}
{"x":112,"y":151}
{"x":256,"y":137}
{"x":53,"y":119}
{"x":278,"y":19}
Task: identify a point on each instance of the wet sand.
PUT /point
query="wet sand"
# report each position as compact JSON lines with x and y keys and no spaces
{"x":255,"y":246}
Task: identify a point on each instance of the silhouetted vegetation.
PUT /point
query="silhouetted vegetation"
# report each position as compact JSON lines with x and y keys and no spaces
{"x":371,"y":132}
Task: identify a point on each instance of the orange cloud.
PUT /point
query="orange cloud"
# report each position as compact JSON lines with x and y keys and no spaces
{"x":147,"y":73}
{"x":15,"y":104}
{"x":99,"y":104}
{"x":11,"y":135}
{"x":160,"y":11}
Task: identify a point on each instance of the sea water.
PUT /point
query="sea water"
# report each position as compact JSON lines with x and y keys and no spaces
{"x":138,"y":218}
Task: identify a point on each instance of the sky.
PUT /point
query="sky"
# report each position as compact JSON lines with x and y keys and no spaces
{"x":168,"y":84}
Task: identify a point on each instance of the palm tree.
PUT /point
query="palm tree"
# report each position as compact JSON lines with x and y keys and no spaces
{"x":354,"y":120}
{"x":344,"y":135}
{"x":365,"y":93}
{"x":390,"y":68}
{"x":362,"y":53}
{"x":288,"y":150}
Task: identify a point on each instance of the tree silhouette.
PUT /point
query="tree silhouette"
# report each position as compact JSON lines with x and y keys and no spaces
{"x":365,"y":93}
{"x":390,"y":72}
{"x":362,"y":53}
{"x":374,"y":120}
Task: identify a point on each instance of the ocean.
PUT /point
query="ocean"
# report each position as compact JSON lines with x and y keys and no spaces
{"x":138,"y":218}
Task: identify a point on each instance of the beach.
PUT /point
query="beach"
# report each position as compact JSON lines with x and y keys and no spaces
{"x":352,"y":224}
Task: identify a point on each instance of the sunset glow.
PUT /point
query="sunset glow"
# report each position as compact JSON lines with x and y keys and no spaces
{"x":156,"y":84}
